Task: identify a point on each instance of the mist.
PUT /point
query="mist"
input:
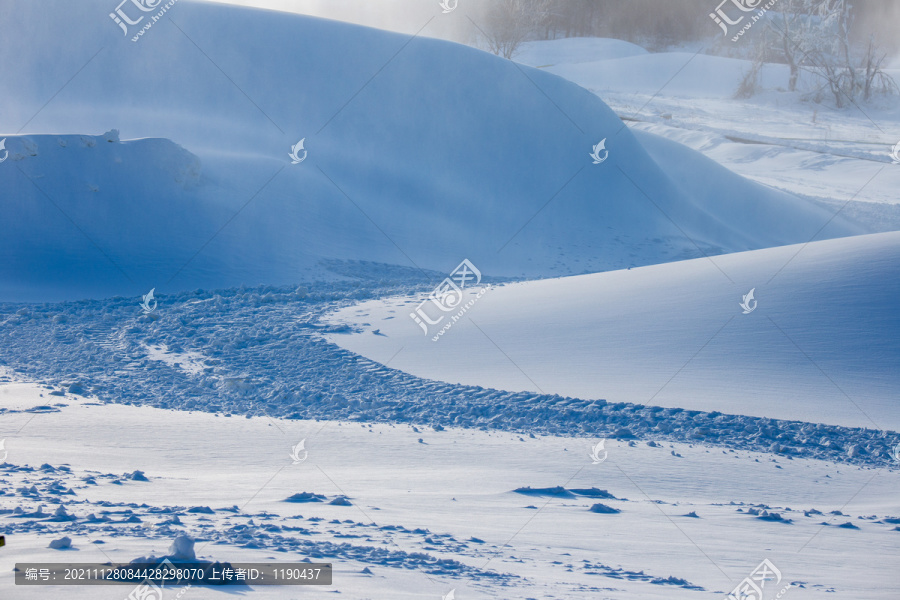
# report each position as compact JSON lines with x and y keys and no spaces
{"x":403,"y":16}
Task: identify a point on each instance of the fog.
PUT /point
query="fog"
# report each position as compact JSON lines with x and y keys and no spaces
{"x":641,"y":21}
{"x":405,"y":16}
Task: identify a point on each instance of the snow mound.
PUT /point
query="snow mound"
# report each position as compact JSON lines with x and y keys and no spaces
{"x":447,"y":152}
{"x":182,"y":548}
{"x":63,"y":543}
{"x":604,"y":509}
{"x":88,"y":213}
{"x":821,"y":344}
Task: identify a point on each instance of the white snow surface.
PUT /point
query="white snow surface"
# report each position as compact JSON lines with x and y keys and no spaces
{"x":452,"y":486}
{"x":787,"y":140}
{"x":420,"y":152}
{"x":821,"y":346}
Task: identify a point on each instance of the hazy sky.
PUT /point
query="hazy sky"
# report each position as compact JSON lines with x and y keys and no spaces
{"x":407,"y":16}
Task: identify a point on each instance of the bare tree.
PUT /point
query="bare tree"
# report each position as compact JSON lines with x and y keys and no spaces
{"x":849,"y":78}
{"x":749,"y":85}
{"x":816,"y":36}
{"x":511,"y":22}
{"x":874,"y":77}
{"x":797,"y":35}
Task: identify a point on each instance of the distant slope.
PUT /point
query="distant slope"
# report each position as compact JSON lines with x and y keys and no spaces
{"x":823,"y":344}
{"x":601,"y":64}
{"x":776,"y":137}
{"x":549,"y":53}
{"x":420,"y":152}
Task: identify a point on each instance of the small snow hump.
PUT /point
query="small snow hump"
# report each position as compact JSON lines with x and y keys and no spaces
{"x":604,"y":509}
{"x":63,"y":543}
{"x":182,"y":548}
{"x":202,"y":510}
{"x":300,"y":497}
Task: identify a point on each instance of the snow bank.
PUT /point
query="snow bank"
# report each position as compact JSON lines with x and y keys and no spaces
{"x":448,"y":152}
{"x":821,"y":345}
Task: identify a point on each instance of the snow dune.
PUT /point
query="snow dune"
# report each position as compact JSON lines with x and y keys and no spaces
{"x":821,"y":346}
{"x":448,"y":152}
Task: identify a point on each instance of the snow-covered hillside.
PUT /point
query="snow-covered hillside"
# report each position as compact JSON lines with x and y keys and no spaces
{"x":823,"y":344}
{"x":420,"y":152}
{"x":783,"y":139}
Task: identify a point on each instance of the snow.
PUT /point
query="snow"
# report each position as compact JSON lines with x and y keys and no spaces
{"x":839,"y":158}
{"x":436,"y":499}
{"x":606,"y":421}
{"x":417,"y":167}
{"x":822,"y":347}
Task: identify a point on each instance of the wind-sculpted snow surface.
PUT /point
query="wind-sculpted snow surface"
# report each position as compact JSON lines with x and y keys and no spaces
{"x":225,"y":525}
{"x":260,"y":351}
{"x":819,"y":340}
{"x":416,"y":152}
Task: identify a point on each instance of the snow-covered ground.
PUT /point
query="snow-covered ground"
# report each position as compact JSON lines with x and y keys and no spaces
{"x":419,"y":496}
{"x":778,"y":138}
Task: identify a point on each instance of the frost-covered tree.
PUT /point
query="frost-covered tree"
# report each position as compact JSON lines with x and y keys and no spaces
{"x":510,"y":22}
{"x":796,"y":35}
{"x":817,"y":36}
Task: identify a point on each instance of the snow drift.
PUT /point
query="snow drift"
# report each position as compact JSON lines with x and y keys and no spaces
{"x":420,"y":152}
{"x":821,"y":344}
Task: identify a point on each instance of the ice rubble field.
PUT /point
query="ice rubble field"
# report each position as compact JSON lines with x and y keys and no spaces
{"x":191,"y":187}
